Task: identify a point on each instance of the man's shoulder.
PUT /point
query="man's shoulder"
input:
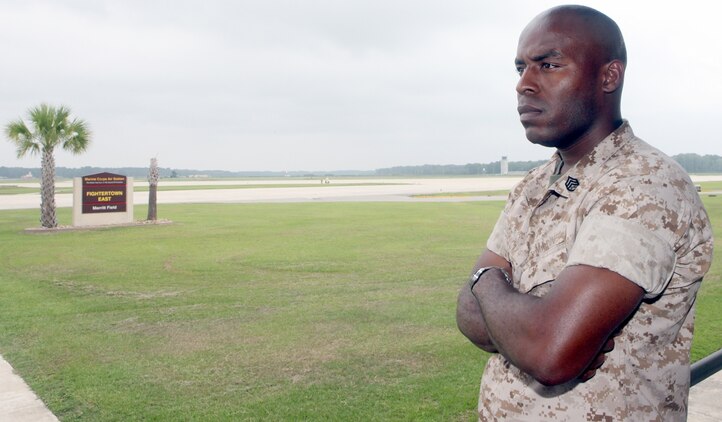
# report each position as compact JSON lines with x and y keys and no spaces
{"x":647,"y":159}
{"x":641,"y":166}
{"x":642,"y":185}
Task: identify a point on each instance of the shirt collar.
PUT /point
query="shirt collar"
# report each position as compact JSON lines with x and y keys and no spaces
{"x":588,"y":168}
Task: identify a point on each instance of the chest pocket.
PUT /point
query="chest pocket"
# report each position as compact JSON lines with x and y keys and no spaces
{"x":538,"y":241}
{"x":541,"y":260}
{"x":543,"y":267}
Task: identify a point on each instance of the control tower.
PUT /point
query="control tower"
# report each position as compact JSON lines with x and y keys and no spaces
{"x":504,"y":165}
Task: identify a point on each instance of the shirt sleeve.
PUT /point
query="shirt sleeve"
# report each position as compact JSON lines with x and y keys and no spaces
{"x":627,"y":248}
{"x":631,"y":233}
{"x":497,"y":239}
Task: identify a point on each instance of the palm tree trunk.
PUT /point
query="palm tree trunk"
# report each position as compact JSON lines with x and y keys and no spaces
{"x":152,"y":203}
{"x":153,"y":176}
{"x":47,"y":191}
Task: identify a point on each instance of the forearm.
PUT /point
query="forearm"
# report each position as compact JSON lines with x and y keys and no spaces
{"x":468,"y":313}
{"x":470,"y":321}
{"x":511,"y":323}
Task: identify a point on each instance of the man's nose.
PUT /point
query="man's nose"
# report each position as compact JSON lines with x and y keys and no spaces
{"x":527,"y":82}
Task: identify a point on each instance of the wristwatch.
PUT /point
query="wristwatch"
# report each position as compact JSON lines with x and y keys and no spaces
{"x":477,"y":275}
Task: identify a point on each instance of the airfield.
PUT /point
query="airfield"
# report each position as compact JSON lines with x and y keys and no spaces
{"x":303,"y":190}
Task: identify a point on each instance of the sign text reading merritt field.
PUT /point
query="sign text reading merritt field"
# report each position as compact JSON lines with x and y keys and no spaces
{"x":104,"y":192}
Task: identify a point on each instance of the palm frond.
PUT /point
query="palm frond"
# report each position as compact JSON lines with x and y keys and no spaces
{"x":19,"y":134}
{"x":76,"y":137}
{"x":46,"y":120}
{"x":16,"y":130}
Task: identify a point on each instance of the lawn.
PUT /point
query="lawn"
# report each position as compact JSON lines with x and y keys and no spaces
{"x":710,"y":186}
{"x":324,"y":311}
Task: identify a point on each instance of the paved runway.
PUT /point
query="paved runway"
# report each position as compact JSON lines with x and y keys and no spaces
{"x":352,"y":190}
{"x":373,"y":189}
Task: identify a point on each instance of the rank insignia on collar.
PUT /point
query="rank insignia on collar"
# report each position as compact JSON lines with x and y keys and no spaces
{"x":571,"y":183}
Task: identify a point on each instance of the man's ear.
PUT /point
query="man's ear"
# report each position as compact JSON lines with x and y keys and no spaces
{"x":613,"y":76}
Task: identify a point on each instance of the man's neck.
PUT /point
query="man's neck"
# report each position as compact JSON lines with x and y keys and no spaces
{"x":586,"y":143}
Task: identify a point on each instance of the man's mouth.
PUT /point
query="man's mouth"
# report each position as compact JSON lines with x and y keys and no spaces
{"x":528,"y":112}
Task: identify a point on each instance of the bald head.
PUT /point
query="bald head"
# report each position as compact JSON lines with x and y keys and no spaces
{"x":598,"y":29}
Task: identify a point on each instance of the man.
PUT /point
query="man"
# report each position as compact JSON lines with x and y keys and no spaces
{"x":585,"y":293}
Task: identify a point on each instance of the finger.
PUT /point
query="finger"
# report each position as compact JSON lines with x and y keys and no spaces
{"x":608,"y":346}
{"x":597,"y":362}
{"x":592,"y":369}
{"x":588,"y":375}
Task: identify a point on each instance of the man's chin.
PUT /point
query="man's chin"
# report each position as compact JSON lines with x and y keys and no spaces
{"x":536,"y":136}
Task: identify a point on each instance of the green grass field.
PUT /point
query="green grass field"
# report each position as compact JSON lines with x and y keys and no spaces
{"x":323,"y":311}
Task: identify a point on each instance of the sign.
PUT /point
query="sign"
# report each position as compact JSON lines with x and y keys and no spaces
{"x":104,"y":192}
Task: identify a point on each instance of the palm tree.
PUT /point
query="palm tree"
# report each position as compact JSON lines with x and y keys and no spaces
{"x":51,"y":127}
{"x":153,"y":176}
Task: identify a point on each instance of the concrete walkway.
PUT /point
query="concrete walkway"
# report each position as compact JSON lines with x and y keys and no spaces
{"x":705,"y":400}
{"x":18,"y":403}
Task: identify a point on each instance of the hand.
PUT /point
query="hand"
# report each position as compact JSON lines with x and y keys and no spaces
{"x":597,"y":362}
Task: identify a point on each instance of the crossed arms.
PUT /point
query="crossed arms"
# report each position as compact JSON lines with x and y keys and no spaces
{"x":555,"y":338}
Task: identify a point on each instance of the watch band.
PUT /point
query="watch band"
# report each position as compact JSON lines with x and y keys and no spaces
{"x":477,"y":275}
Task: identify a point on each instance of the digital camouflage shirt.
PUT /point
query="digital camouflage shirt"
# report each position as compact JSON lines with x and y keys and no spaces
{"x":628,"y":208}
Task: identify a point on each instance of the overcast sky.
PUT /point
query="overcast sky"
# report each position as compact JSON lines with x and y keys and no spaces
{"x":330,"y":85}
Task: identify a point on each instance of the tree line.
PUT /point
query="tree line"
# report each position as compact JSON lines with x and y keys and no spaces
{"x":692,"y":163}
{"x":457,"y":169}
{"x":695,"y":163}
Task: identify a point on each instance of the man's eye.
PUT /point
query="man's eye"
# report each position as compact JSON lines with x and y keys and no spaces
{"x":549,"y":66}
{"x":519,"y":70}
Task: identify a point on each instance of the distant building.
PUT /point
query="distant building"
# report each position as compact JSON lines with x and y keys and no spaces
{"x":27,"y":176}
{"x":504,"y":165}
